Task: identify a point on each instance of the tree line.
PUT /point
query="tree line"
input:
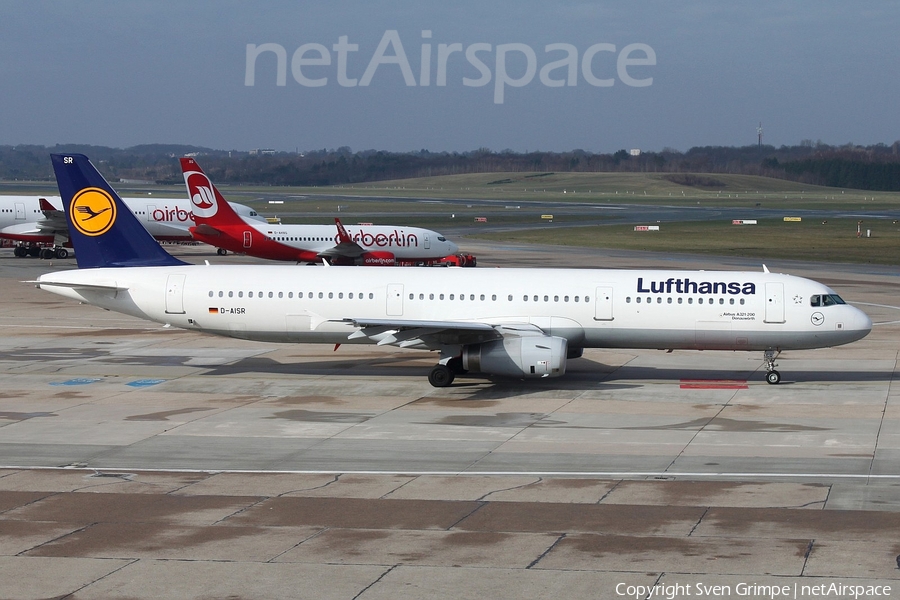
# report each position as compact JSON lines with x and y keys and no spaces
{"x":875,"y":167}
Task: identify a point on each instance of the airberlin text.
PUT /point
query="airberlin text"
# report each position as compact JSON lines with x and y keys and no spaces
{"x":686,"y":286}
{"x":394,"y":238}
{"x":514,"y":65}
{"x":171,"y":214}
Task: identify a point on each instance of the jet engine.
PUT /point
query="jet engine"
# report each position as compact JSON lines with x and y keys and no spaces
{"x":378,"y":258}
{"x":529,"y":357}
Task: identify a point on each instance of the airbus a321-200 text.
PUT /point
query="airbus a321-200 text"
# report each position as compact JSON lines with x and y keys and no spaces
{"x":521,"y":323}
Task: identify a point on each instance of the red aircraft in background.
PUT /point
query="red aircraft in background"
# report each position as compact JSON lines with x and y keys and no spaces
{"x":380,"y":245}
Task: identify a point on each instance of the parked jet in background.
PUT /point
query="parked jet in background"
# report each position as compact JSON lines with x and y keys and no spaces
{"x":366,"y":245}
{"x":36,"y":221}
{"x":522,"y":323}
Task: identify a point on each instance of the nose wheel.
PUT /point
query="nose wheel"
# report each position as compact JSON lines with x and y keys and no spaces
{"x":772,"y":376}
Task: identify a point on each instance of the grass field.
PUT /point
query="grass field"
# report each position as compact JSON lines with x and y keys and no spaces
{"x":834,"y":241}
{"x":808,"y":240}
{"x":631,"y":188}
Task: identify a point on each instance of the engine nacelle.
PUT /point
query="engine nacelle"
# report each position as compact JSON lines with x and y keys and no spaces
{"x":533,"y":356}
{"x":378,"y":258}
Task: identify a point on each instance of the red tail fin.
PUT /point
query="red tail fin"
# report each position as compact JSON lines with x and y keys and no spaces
{"x":208,"y":205}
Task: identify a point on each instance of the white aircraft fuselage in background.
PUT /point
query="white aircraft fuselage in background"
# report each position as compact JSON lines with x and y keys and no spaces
{"x":513,"y":322}
{"x":167,"y":219}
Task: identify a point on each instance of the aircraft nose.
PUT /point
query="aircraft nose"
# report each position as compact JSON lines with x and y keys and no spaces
{"x":452,"y":248}
{"x":865,"y":323}
{"x":860,"y":322}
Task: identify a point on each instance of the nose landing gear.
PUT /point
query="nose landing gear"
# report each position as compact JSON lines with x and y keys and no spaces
{"x":772,"y":376}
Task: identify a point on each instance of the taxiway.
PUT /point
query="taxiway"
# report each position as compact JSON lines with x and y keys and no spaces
{"x":140,"y":461}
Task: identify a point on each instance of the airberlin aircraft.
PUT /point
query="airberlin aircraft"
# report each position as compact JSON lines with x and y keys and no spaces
{"x":377,"y":245}
{"x":34,"y":220}
{"x":522,"y":323}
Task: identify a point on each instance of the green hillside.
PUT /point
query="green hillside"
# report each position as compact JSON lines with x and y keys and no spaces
{"x":733,"y":190}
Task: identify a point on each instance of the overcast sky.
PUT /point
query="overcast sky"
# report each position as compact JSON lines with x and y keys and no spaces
{"x":642,"y":74}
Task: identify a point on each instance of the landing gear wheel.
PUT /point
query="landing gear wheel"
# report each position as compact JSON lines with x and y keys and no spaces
{"x":20,"y":251}
{"x":773,"y":377}
{"x":62,"y":253}
{"x":47,"y":253}
{"x":221,"y":251}
{"x":440,"y":376}
{"x":34,"y":251}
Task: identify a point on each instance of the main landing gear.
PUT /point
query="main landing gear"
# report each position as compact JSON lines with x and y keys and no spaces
{"x":58,"y":252}
{"x":443,"y":373}
{"x":35,"y":251}
{"x":772,"y":376}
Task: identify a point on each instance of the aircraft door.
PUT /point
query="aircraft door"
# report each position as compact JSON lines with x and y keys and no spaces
{"x":175,"y":295}
{"x":248,"y":239}
{"x":395,"y":299}
{"x":427,"y":242}
{"x":603,"y":304}
{"x":20,"y":211}
{"x":151,"y":208}
{"x":774,"y":303}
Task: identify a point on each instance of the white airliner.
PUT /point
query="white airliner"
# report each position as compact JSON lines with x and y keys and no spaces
{"x":33,"y":220}
{"x":522,"y":323}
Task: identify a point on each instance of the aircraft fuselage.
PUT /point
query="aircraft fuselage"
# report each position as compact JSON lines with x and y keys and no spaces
{"x":716,"y":310}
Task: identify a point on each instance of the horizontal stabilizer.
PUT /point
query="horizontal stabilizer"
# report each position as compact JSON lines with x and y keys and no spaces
{"x":206,"y":229}
{"x":108,"y":287}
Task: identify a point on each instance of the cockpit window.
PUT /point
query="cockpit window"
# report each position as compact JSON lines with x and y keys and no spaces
{"x":442,"y":238}
{"x":825,"y":300}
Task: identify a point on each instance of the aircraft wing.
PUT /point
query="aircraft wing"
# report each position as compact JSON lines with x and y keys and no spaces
{"x":52,"y":223}
{"x":32,"y":228}
{"x":434,"y":334}
{"x":54,"y":219}
{"x":344,"y":250}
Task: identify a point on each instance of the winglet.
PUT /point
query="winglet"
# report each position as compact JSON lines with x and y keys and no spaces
{"x":46,"y":206}
{"x":343,"y":236}
{"x":104,"y":232}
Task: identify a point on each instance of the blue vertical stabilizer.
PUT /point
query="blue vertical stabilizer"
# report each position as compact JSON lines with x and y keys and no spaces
{"x":102,"y":228}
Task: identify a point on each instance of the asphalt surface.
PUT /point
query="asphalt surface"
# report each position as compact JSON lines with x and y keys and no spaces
{"x":140,"y":461}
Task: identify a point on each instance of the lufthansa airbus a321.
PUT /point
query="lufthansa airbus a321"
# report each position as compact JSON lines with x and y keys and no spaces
{"x":522,"y":323}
